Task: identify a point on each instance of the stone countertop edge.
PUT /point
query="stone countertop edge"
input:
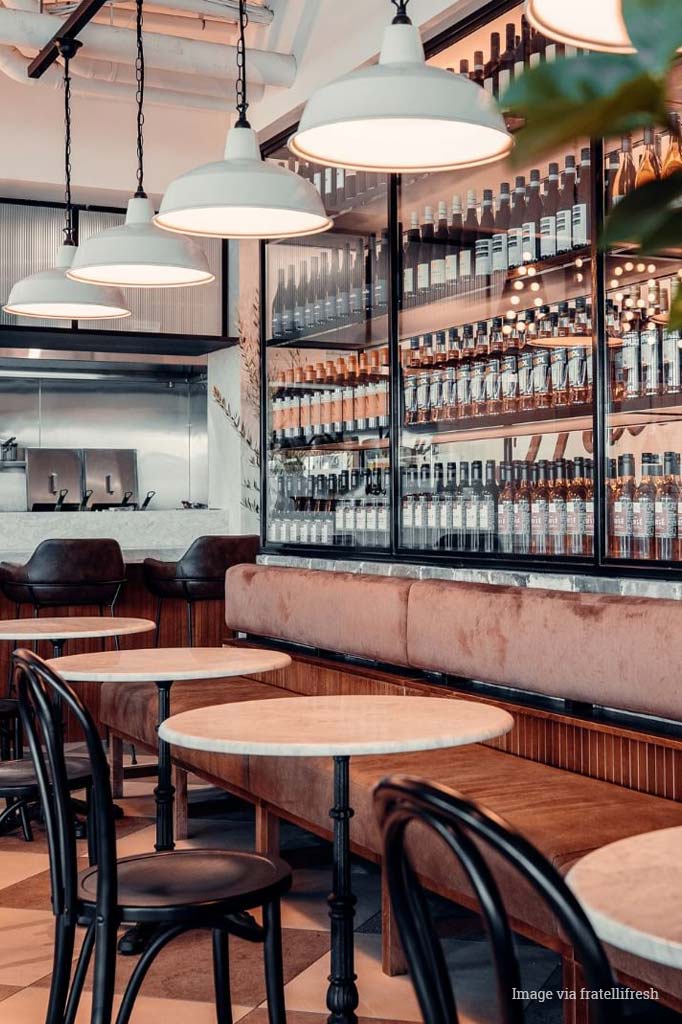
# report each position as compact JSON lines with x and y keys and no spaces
{"x":569,"y":582}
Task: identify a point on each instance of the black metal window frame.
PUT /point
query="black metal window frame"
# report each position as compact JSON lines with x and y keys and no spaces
{"x":599,"y":564}
{"x":16,"y":335}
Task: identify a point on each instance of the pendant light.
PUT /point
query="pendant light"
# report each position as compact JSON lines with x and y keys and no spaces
{"x":137,"y":254}
{"x":50,"y":293}
{"x":242,"y":196}
{"x":401,"y":114}
{"x":582,"y":23}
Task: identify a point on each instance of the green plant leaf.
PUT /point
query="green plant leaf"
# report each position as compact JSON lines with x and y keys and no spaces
{"x":655,"y":29}
{"x":675,"y":323}
{"x":644,"y":212}
{"x":590,"y":96}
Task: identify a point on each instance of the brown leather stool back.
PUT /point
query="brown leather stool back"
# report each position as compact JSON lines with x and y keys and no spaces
{"x":66,"y":572}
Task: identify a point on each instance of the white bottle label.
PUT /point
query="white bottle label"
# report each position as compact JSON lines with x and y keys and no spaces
{"x":564,"y":231}
{"x":500,"y":251}
{"x":451,"y":268}
{"x":529,"y":250}
{"x":457,"y":515}
{"x":580,"y":232}
{"x":515,"y":247}
{"x":408,"y":515}
{"x":437,"y":272}
{"x":423,"y":275}
{"x":465,"y":263}
{"x":548,"y":236}
{"x":408,"y":280}
{"x":484,"y":254}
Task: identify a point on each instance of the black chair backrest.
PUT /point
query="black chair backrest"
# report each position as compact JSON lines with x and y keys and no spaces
{"x":209,"y":557}
{"x":471,"y":834}
{"x":74,"y":561}
{"x":43,"y":696}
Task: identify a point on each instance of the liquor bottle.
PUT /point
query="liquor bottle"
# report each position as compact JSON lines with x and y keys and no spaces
{"x":649,"y":165}
{"x":505,"y":510}
{"x":478,"y":74}
{"x":610,"y":500}
{"x":453,"y":247}
{"x":278,"y":306}
{"x":502,"y":216}
{"x":300,"y":299}
{"x":473,"y":508}
{"x":522,"y":533}
{"x":582,"y":206}
{"x":632,"y":366}
{"x":330,"y":271}
{"x":650,"y":359}
{"x":487,"y":512}
{"x":446,"y":508}
{"x":381,"y":275}
{"x":539,"y":511}
{"x":469,"y":511}
{"x":666,"y":510}
{"x":491,"y":80}
{"x":368,"y":286}
{"x":566,"y":207}
{"x":542,"y":388}
{"x":492,"y":376}
{"x":522,"y":48}
{"x":484,"y":240}
{"x":424,"y":257}
{"x":357,"y":292}
{"x":343,"y":292}
{"x":410,"y":256}
{"x":673,"y":158}
{"x":532,"y":218}
{"x":311,"y":291}
{"x":558,"y":360}
{"x":506,"y":62}
{"x":548,"y":220}
{"x":623,"y":499}
{"x":612,"y":166}
{"x":438,"y":253}
{"x":644,"y":510}
{"x":463,"y":375}
{"x":464,"y":68}
{"x":287,"y":319}
{"x":469,"y":238}
{"x":576,"y":509}
{"x":537,"y":50}
{"x":589,"y":507}
{"x":557,"y":508}
{"x":577,"y":374}
{"x":516,"y":220}
{"x":624,"y":179}
{"x":672,"y":362}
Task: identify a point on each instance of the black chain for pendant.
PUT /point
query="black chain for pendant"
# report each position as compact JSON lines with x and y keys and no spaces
{"x":242,"y":105}
{"x":402,"y":17}
{"x":139,"y":99}
{"x":67,"y":49}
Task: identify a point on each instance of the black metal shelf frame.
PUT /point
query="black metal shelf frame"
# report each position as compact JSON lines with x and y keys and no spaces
{"x":599,"y":564}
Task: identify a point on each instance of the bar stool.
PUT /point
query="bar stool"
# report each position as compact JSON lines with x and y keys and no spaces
{"x":198,"y":576}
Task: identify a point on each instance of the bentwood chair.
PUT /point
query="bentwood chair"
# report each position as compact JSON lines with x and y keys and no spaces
{"x":476,"y":838}
{"x":176,"y":892}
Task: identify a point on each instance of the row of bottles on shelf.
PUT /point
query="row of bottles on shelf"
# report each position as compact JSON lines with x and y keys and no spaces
{"x":645,"y":516}
{"x":465,"y":251}
{"x":350,"y":508}
{"x":630,"y":167}
{"x":645,"y":357}
{"x":495,"y":367}
{"x":540,"y":508}
{"x":522,"y":49}
{"x":329,"y":288}
{"x":332,"y":399}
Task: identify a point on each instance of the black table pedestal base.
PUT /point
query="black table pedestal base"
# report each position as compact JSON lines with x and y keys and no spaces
{"x":165,"y":791}
{"x":342,"y":994}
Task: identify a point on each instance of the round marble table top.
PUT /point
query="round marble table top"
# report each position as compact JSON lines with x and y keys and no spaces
{"x":631,"y":891}
{"x":72,"y":627}
{"x":154,"y":664}
{"x":315,"y":726}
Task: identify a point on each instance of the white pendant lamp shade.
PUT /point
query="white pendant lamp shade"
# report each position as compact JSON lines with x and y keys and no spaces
{"x":52,"y":295}
{"x":242,"y":196}
{"x":137,"y":255}
{"x":401,"y":115}
{"x":582,"y":23}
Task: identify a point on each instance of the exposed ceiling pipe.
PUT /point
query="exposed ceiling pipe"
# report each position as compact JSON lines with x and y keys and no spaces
{"x":172,"y":53}
{"x":15,"y":66}
{"x":192,"y":26}
{"x":124,"y":74}
{"x":227,"y":10}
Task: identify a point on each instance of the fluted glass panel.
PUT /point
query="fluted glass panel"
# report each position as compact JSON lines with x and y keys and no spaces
{"x":30,"y":237}
{"x":190,"y":311}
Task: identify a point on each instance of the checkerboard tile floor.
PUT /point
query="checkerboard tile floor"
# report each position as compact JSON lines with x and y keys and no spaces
{"x":179,"y":987}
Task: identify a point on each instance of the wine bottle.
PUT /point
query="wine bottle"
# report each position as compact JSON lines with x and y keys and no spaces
{"x":381,"y":275}
{"x":438,"y":254}
{"x":454,"y":246}
{"x":625,"y":177}
{"x":506,"y":64}
{"x":343,"y":292}
{"x":564,"y":220}
{"x":582,"y":206}
{"x":424,"y":258}
{"x":649,"y":165}
{"x":357,"y":300}
{"x":288,"y":305}
{"x":478,"y":74}
{"x":522,"y":48}
{"x":502,"y":215}
{"x":278,"y":305}
{"x":516,"y":219}
{"x":532,"y":216}
{"x":548,"y":220}
{"x":491,"y":81}
{"x":410,"y":256}
{"x":300,"y":298}
{"x":484,"y":240}
{"x":332,"y":277}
